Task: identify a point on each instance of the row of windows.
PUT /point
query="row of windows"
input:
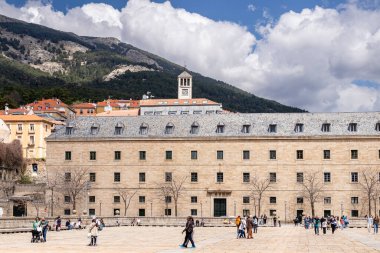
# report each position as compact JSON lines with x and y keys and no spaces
{"x":220,"y":155}
{"x":142,"y":212}
{"x":220,"y":128}
{"x":220,"y":177}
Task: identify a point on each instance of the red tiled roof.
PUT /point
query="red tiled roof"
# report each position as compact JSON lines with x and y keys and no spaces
{"x":18,"y":111}
{"x":174,"y":102}
{"x":23,"y":118}
{"x":47,"y":104}
{"x":84,"y":106}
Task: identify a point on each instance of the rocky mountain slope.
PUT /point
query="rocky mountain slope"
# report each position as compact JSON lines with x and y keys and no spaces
{"x":36,"y":61}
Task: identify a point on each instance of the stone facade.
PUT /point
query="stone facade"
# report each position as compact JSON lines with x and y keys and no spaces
{"x":243,"y":152}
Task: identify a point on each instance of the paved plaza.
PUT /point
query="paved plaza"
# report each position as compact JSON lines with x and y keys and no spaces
{"x":208,"y":239}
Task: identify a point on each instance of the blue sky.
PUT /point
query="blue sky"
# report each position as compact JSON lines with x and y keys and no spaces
{"x":320,"y":55}
{"x":244,"y":12}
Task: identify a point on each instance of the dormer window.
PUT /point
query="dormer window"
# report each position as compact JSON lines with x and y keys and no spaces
{"x":377,"y":127}
{"x":143,"y":129}
{"x":272,"y":128}
{"x":69,"y":130}
{"x":246,"y":129}
{"x":353,"y":127}
{"x":194,"y":128}
{"x":119,"y":128}
{"x":94,"y":129}
{"x":298,"y":128}
{"x":326,"y":127}
{"x":220,"y":128}
{"x":169,"y":129}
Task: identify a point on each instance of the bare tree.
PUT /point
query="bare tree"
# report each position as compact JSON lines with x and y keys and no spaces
{"x":258,"y":188}
{"x":51,"y":184}
{"x":369,"y":182}
{"x":312,"y":188}
{"x":73,"y":183}
{"x":173,"y":188}
{"x":37,"y":199}
{"x":126,"y":196}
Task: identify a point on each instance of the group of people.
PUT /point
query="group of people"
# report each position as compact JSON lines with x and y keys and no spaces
{"x":373,"y":222}
{"x":246,"y":223}
{"x":40,"y":227}
{"x":324,"y":223}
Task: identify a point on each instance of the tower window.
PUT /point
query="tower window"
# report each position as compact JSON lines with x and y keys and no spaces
{"x":220,"y":128}
{"x":143,"y":129}
{"x":169,"y":129}
{"x":119,"y":128}
{"x":194,"y":128}
{"x":353,"y":127}
{"x":326,"y":127}
{"x":298,"y":128}
{"x":272,"y":128}
{"x":246,"y":129}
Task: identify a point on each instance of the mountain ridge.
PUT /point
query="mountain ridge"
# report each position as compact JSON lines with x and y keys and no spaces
{"x":37,"y":61}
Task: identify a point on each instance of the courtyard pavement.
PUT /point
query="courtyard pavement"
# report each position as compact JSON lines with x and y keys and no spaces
{"x":214,"y":239}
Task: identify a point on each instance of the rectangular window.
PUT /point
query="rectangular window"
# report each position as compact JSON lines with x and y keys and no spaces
{"x":117,"y":155}
{"x":194,"y":155}
{"x":142,"y":177}
{"x":91,"y":199}
{"x":220,"y":129}
{"x":327,"y":177}
{"x":272,"y":200}
{"x":354,"y":177}
{"x":168,"y":212}
{"x":299,"y":154}
{"x":67,"y":199}
{"x":299,"y":177}
{"x":219,"y":155}
{"x":298,"y":128}
{"x":219,"y":177}
{"x":354,"y":213}
{"x":92,"y":155}
{"x":327,"y":200}
{"x":246,"y":177}
{"x":326,"y":154}
{"x":354,"y":200}
{"x":194,"y":129}
{"x":116,"y":199}
{"x":31,"y":140}
{"x":246,"y":154}
{"x":272,"y":128}
{"x":272,"y":154}
{"x":352,"y":127}
{"x":67,"y":176}
{"x":69,"y":130}
{"x":246,"y":129}
{"x":91,"y":211}
{"x":194,"y":199}
{"x":67,"y":212}
{"x":118,"y":130}
{"x":299,"y":200}
{"x":168,"y":176}
{"x":326,"y":127}
{"x":246,"y":212}
{"x":68,"y":155}
{"x":142,"y":155}
{"x":19,"y":127}
{"x":245,"y":200}
{"x":194,"y":177}
{"x":116,"y":177}
{"x":168,"y":155}
{"x":92,"y":177}
{"x":141,"y":212}
{"x":194,"y":212}
{"x":354,"y":154}
{"x":272,"y":177}
{"x":141,"y":199}
{"x":116,"y":211}
{"x":31,"y":127}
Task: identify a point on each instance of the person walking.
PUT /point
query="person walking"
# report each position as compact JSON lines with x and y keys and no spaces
{"x":237,"y":223}
{"x":376,"y":224}
{"x":369,"y":223}
{"x":93,"y":232}
{"x":242,"y":226}
{"x":189,"y":229}
{"x":58,"y":224}
{"x":45,"y":228}
{"x":333,"y":225}
{"x":255,"y":224}
{"x":249,"y":227}
{"x":316,"y":223}
{"x":324,"y":225}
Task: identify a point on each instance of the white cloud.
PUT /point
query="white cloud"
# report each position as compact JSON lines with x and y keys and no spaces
{"x":251,"y":7}
{"x":307,"y":59}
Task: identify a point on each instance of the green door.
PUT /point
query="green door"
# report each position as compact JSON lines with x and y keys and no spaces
{"x":220,"y":207}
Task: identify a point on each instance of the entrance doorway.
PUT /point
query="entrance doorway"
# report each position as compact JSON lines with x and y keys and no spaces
{"x":220,"y":207}
{"x":299,"y":213}
{"x":19,"y":209}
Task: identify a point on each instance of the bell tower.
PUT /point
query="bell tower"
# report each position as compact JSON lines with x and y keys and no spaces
{"x":185,"y":86}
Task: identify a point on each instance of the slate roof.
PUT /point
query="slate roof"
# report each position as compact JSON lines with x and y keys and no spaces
{"x":233,"y":124}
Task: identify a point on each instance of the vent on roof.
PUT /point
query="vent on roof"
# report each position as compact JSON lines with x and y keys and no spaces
{"x":194,"y":128}
{"x":246,"y":128}
{"x":169,"y":129}
{"x":94,"y":128}
{"x":272,"y":128}
{"x":326,"y":127}
{"x":220,"y":128}
{"x":298,"y":128}
{"x":69,"y":129}
{"x":119,"y":128}
{"x":353,"y":127}
{"x":143,"y":129}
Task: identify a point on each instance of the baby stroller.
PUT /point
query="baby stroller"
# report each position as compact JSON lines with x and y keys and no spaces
{"x":37,"y":236}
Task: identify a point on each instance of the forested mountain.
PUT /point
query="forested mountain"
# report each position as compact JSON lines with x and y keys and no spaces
{"x":36,"y":62}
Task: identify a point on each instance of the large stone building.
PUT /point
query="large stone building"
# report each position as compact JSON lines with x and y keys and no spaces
{"x":220,"y":155}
